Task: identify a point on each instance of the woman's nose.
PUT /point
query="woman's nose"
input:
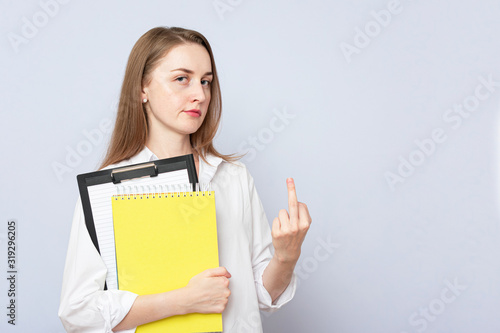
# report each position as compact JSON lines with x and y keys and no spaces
{"x":199,"y":92}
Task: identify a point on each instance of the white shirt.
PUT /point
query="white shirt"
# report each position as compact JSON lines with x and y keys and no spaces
{"x":245,"y":249}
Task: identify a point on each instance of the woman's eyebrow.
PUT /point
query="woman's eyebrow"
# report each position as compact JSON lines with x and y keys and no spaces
{"x":189,"y":71}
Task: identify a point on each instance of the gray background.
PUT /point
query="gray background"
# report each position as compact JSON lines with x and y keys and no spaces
{"x":419,"y":255}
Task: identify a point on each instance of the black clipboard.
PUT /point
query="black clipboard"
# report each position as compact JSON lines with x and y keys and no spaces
{"x":117,"y":175}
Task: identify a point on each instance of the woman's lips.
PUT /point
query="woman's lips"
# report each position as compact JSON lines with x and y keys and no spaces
{"x":193,"y":113}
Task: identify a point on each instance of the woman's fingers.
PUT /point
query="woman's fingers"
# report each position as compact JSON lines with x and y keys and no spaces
{"x":305,"y":218}
{"x":217,"y":271}
{"x":284,"y":220}
{"x":292,"y":201}
{"x":276,"y":227}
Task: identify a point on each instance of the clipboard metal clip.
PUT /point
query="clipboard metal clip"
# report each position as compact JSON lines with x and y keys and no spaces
{"x":132,"y":172}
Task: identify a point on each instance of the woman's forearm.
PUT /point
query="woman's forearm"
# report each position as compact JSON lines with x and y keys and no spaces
{"x":206,"y":292}
{"x":149,"y":308}
{"x":277,"y":276}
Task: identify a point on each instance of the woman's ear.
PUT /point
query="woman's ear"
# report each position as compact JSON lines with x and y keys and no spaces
{"x":144,"y":94}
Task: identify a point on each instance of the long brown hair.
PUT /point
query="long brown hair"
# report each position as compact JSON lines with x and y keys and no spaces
{"x":131,"y":126}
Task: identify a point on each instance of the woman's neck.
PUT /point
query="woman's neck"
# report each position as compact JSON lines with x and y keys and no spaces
{"x":173,"y":147}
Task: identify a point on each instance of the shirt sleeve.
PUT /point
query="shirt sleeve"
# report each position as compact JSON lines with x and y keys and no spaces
{"x":85,"y":305}
{"x":263,"y":251}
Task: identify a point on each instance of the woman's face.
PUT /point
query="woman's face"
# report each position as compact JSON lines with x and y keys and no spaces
{"x":179,"y":91}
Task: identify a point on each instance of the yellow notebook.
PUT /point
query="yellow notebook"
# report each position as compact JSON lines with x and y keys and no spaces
{"x":162,"y":241}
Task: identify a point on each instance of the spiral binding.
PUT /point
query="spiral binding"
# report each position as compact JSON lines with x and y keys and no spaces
{"x":161,"y":191}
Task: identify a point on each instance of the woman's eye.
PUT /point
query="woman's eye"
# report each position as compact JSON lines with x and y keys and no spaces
{"x":181,"y":79}
{"x":205,"y":82}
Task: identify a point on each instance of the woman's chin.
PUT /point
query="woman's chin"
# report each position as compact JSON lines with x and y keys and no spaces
{"x":188,"y":130}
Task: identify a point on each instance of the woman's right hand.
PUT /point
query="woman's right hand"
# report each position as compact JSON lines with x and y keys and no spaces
{"x":209,"y":291}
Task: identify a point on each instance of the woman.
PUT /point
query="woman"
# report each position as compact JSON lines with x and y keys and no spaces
{"x":170,"y":105}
